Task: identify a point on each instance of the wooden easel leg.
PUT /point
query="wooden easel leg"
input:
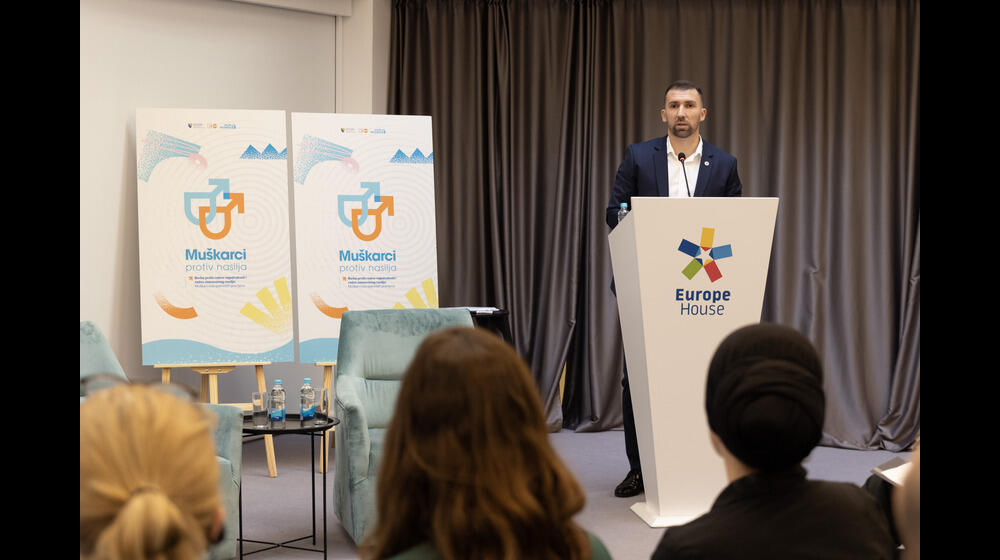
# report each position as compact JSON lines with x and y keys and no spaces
{"x":327,"y":435}
{"x":272,"y":467}
{"x":205,"y":390}
{"x":165,"y":376}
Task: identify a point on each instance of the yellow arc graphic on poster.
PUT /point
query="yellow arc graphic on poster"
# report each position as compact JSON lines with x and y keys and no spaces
{"x":278,"y":318}
{"x":413,"y":296}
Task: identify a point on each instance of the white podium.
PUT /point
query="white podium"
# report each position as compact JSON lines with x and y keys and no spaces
{"x":688,"y":271}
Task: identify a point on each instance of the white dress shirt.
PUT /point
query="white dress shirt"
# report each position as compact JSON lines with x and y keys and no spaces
{"x":676,"y":175}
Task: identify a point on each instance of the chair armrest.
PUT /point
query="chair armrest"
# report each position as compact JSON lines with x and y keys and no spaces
{"x":229,"y":435}
{"x":351,"y":436}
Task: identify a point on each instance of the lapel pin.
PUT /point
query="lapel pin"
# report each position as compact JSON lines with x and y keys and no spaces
{"x":706,"y":164}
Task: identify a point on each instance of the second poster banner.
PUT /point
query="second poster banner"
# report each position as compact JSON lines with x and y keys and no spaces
{"x":365,"y":237}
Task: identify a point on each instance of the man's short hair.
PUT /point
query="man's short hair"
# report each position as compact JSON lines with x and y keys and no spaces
{"x":685,"y":85}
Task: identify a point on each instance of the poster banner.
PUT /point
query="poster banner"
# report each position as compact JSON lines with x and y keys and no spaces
{"x":365,"y":234}
{"x":214,"y":236}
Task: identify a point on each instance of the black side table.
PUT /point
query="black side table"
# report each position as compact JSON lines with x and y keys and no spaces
{"x":293,"y":425}
{"x":494,"y":319}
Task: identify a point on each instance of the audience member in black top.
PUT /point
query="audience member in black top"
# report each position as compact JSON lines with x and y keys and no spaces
{"x":888,"y":495}
{"x":765,"y":405}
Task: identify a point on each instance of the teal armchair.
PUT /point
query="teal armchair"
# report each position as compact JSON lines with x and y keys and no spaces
{"x":375,"y":348}
{"x":229,"y":456}
{"x":97,"y":357}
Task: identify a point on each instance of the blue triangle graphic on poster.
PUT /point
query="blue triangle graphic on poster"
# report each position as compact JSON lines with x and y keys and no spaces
{"x":416,"y":157}
{"x":250,"y":153}
{"x":270,"y":153}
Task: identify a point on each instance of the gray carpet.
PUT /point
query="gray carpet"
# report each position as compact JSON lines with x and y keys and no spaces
{"x":280,"y":509}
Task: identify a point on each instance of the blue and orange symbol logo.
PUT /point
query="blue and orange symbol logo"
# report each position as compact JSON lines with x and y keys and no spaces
{"x":704,"y":255}
{"x":369,"y":191}
{"x":206,"y":214}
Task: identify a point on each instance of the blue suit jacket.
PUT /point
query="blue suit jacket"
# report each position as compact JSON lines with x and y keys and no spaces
{"x":644,"y":173}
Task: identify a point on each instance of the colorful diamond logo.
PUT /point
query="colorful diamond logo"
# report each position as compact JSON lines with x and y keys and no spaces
{"x":704,"y":255}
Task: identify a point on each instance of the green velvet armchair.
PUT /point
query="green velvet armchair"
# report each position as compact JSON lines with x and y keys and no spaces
{"x":97,"y":357}
{"x":375,"y":348}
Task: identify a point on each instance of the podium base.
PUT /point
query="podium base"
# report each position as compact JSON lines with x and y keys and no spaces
{"x":653,"y":518}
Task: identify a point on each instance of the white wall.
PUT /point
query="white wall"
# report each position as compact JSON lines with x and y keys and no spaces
{"x":363,"y":58}
{"x":210,"y":54}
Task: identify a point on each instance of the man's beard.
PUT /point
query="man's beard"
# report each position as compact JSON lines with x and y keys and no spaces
{"x":685,"y":133}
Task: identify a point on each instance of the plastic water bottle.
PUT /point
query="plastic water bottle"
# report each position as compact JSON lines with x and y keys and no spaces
{"x":622,"y":211}
{"x":307,"y":400}
{"x":278,"y":402}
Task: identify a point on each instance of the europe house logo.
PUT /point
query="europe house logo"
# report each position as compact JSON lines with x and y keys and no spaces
{"x":370,"y":195}
{"x":704,"y":255}
{"x":208,"y":213}
{"x":698,"y":301}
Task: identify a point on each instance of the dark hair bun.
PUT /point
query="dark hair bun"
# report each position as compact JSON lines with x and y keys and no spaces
{"x":764,"y":396}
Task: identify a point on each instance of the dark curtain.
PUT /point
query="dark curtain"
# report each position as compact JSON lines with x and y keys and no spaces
{"x":533,"y":103}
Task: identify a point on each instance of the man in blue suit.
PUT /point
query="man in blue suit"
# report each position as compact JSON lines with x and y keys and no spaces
{"x":681,"y":164}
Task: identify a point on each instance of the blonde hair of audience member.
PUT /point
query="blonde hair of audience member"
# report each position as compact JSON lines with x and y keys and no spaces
{"x":149,"y":481}
{"x":906,"y":509}
{"x":467,"y":463}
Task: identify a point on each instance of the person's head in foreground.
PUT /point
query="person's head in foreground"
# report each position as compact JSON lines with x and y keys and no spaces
{"x":467,"y":467}
{"x":149,"y":481}
{"x":764,"y":399}
{"x":765,"y":405}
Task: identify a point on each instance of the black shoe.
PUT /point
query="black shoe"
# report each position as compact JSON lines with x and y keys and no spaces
{"x":631,"y":486}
